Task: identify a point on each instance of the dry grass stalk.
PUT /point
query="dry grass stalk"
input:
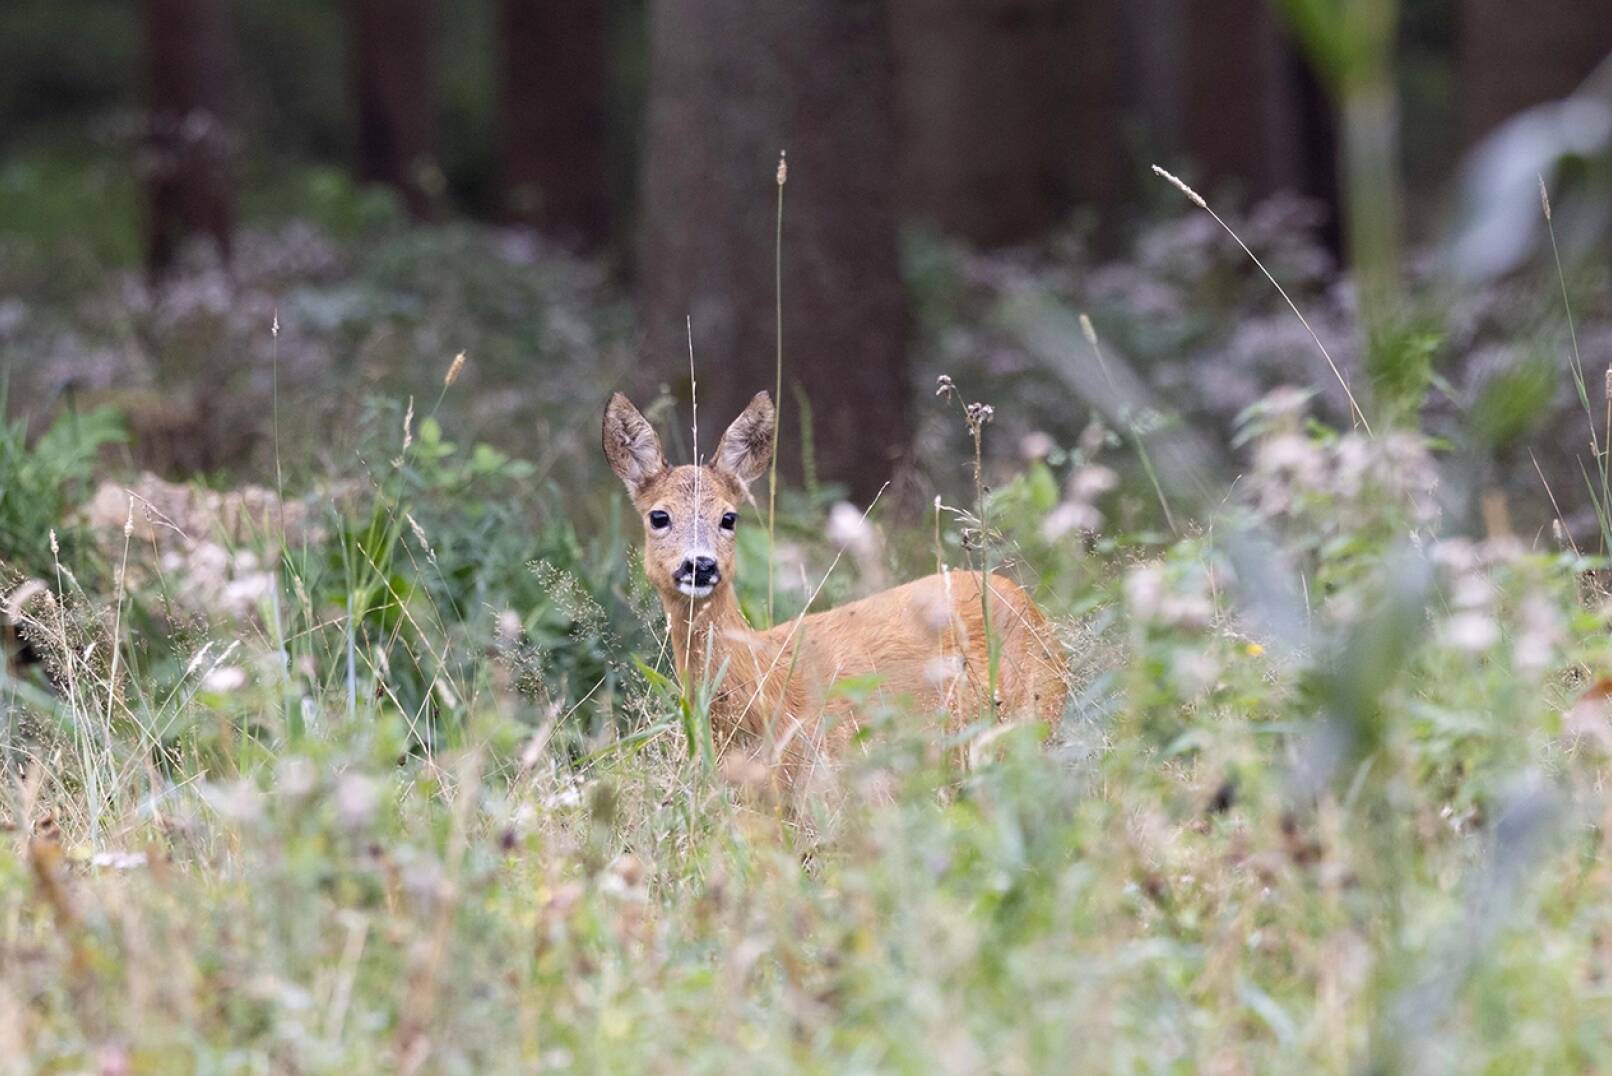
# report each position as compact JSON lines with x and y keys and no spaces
{"x":1197,"y":200}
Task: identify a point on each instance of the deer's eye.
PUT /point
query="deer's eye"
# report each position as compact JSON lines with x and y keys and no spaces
{"x":659,"y":520}
{"x":729,"y":520}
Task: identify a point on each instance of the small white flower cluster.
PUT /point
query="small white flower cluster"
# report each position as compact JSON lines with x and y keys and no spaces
{"x":1490,"y":589}
{"x":1174,"y":611}
{"x":1078,"y":511}
{"x":1395,"y":465}
{"x":1159,"y":598}
{"x":206,"y":578}
{"x":1294,"y":470}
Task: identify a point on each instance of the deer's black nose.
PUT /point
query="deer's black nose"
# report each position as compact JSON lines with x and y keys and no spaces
{"x":701,"y":571}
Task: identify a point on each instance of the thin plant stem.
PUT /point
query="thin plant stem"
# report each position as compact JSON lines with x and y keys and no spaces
{"x":112,"y":674}
{"x":1560,"y":521}
{"x":1135,"y":428}
{"x":778,"y":373}
{"x":1197,"y":200}
{"x":1576,"y":367}
{"x":279,"y":474}
{"x":992,"y":643}
{"x":694,"y":415}
{"x":1605,"y":463}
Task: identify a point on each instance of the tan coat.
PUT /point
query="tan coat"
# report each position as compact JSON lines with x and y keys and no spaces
{"x":922,"y":646}
{"x":777,"y":697}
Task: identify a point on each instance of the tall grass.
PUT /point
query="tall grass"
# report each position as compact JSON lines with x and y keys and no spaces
{"x":476,"y":886}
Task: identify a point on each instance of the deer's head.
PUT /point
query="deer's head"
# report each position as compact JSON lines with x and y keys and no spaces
{"x":690,"y":513}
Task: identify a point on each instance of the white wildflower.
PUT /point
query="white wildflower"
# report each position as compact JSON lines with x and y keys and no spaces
{"x":1472,"y":591}
{"x":1193,"y":611}
{"x":357,"y":798}
{"x":1538,"y":636}
{"x":238,"y":801}
{"x":1070,"y":516}
{"x":1472,"y":631}
{"x":1144,"y":591}
{"x":1036,"y":445}
{"x":224,"y":679}
{"x":118,"y":861}
{"x":1091,"y":482}
{"x":848,"y":528}
{"x":1194,"y":670}
{"x":296,"y":777}
{"x":569,"y":795}
{"x":942,"y":670}
{"x":509,"y":625}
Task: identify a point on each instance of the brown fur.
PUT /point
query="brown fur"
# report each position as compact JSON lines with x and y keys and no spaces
{"x":925,"y":642}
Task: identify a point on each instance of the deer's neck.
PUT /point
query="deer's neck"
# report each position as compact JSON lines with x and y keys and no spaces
{"x":707,"y":634}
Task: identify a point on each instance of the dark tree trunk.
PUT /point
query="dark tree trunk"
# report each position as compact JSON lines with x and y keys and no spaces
{"x":1513,"y":57}
{"x":189,"y":144}
{"x":1009,"y":113}
{"x":732,"y":82}
{"x":395,"y":87}
{"x":1252,"y":112}
{"x":552,"y":101}
{"x":1150,"y":58}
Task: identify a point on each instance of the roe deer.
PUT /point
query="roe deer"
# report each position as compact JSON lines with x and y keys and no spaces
{"x":925,"y":642}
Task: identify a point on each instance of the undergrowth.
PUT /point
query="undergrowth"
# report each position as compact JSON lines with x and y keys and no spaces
{"x":411,"y":792}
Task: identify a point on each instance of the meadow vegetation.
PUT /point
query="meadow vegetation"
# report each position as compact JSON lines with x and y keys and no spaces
{"x":365,"y":752}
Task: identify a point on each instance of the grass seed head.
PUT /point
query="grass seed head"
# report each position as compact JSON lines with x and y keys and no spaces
{"x":1197,"y":199}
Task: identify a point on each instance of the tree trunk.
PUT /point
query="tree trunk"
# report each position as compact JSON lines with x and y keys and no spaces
{"x":1252,"y":113}
{"x":732,"y":82}
{"x":1150,"y":32}
{"x":1009,"y":112}
{"x":1513,"y":58}
{"x":552,"y":100}
{"x":394,"y":83}
{"x":189,"y":144}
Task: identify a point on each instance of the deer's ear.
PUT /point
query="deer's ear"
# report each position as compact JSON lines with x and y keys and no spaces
{"x":630,"y":444}
{"x":746,"y":448}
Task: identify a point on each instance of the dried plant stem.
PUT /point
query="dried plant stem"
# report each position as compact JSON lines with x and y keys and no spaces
{"x":71,"y":661}
{"x":778,"y":373}
{"x":1606,"y":464}
{"x":993,"y":643}
{"x":1197,"y":200}
{"x":279,"y":473}
{"x":1090,"y":332}
{"x":1560,"y":520}
{"x":694,"y":421}
{"x":117,"y":628}
{"x":1576,"y":366}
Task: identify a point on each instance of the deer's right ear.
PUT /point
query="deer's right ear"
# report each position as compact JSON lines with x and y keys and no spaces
{"x":630,"y":444}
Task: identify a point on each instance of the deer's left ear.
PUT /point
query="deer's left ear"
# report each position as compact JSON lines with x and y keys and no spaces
{"x":746,"y":447}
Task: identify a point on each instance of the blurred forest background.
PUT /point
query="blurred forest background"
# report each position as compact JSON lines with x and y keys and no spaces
{"x":338,"y":724}
{"x":557,"y":186}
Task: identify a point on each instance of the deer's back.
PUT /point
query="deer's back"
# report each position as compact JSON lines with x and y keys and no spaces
{"x":926,"y":641}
